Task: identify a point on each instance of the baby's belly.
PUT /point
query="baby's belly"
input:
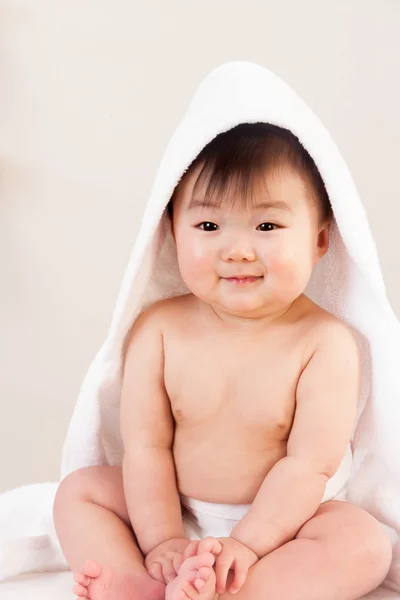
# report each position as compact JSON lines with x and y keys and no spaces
{"x":222,"y":470}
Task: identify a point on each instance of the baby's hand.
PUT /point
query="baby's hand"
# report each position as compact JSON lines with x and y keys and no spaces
{"x":163,"y":562}
{"x":234,"y":556}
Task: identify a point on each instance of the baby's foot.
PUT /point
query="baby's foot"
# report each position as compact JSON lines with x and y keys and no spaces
{"x":102,"y":583}
{"x":195,"y":580}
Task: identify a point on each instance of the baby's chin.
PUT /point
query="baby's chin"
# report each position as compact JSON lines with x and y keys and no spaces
{"x":244,"y":308}
{"x":253,"y":302}
{"x":254,"y":305}
{"x":246,"y":304}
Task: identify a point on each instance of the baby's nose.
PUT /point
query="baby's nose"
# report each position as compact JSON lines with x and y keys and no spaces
{"x":239,"y":251}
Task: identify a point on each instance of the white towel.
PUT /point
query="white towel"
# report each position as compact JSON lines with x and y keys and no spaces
{"x":347,"y":282}
{"x":28,"y":540}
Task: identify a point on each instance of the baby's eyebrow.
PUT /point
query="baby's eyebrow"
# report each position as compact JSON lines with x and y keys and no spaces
{"x":274,"y":204}
{"x":280,"y":204}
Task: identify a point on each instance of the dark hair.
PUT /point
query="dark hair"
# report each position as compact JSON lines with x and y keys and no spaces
{"x":246,"y":153}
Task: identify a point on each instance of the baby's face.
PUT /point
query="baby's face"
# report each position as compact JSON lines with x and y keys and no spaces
{"x":277,"y":244}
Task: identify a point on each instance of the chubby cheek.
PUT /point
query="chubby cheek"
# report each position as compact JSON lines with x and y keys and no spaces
{"x":196,"y":263}
{"x":286,"y":269}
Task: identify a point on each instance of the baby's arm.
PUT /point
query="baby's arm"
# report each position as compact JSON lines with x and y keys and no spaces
{"x":327,"y":399}
{"x":147,"y":430}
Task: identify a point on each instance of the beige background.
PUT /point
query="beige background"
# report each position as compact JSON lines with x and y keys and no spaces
{"x":90,"y":93}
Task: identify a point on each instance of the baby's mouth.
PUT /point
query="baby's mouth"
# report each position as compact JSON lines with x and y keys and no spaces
{"x":242,"y":280}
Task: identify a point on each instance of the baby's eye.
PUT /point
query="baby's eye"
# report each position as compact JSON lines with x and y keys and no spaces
{"x":272,"y":224}
{"x":207,"y":226}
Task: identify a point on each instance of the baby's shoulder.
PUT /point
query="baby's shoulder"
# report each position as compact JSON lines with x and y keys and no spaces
{"x":155,"y":320}
{"x":330,"y":329}
{"x":167,"y":310}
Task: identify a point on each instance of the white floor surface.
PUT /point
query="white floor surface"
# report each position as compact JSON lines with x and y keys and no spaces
{"x":58,"y":586}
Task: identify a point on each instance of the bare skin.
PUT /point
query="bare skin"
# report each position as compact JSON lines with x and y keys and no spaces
{"x":217,"y":377}
{"x":196,"y":580}
{"x":258,"y":432}
{"x":217,"y":381}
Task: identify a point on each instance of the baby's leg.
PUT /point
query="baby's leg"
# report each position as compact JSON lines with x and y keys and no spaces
{"x":96,"y":536}
{"x":341,"y":553}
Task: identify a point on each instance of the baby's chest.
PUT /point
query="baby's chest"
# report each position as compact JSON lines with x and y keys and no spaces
{"x":232,"y":385}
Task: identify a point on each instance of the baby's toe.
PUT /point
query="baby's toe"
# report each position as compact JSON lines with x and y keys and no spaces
{"x":205,"y":573}
{"x":80,"y":591}
{"x":81,"y":578}
{"x":202,"y":577}
{"x":189,"y":591}
{"x":199,"y":584}
{"x":92,"y":568}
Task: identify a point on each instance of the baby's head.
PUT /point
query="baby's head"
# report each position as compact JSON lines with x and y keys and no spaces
{"x":224,"y":228}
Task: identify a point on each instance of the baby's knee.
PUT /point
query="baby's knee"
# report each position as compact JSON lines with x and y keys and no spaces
{"x":380,"y":552}
{"x":77,"y":485}
{"x":372,"y":551}
{"x":100,"y":485}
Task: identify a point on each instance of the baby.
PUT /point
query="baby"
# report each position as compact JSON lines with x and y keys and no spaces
{"x":238,"y":403}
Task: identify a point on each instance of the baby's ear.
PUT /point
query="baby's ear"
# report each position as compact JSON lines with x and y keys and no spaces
{"x":170,"y":222}
{"x":322,"y":242}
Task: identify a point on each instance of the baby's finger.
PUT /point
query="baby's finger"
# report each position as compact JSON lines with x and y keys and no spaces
{"x":155,"y":571}
{"x":191,"y":549}
{"x":222,"y":566}
{"x":168,"y":570}
{"x":240,"y":574}
{"x":210,"y":544}
{"x":177,"y":561}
